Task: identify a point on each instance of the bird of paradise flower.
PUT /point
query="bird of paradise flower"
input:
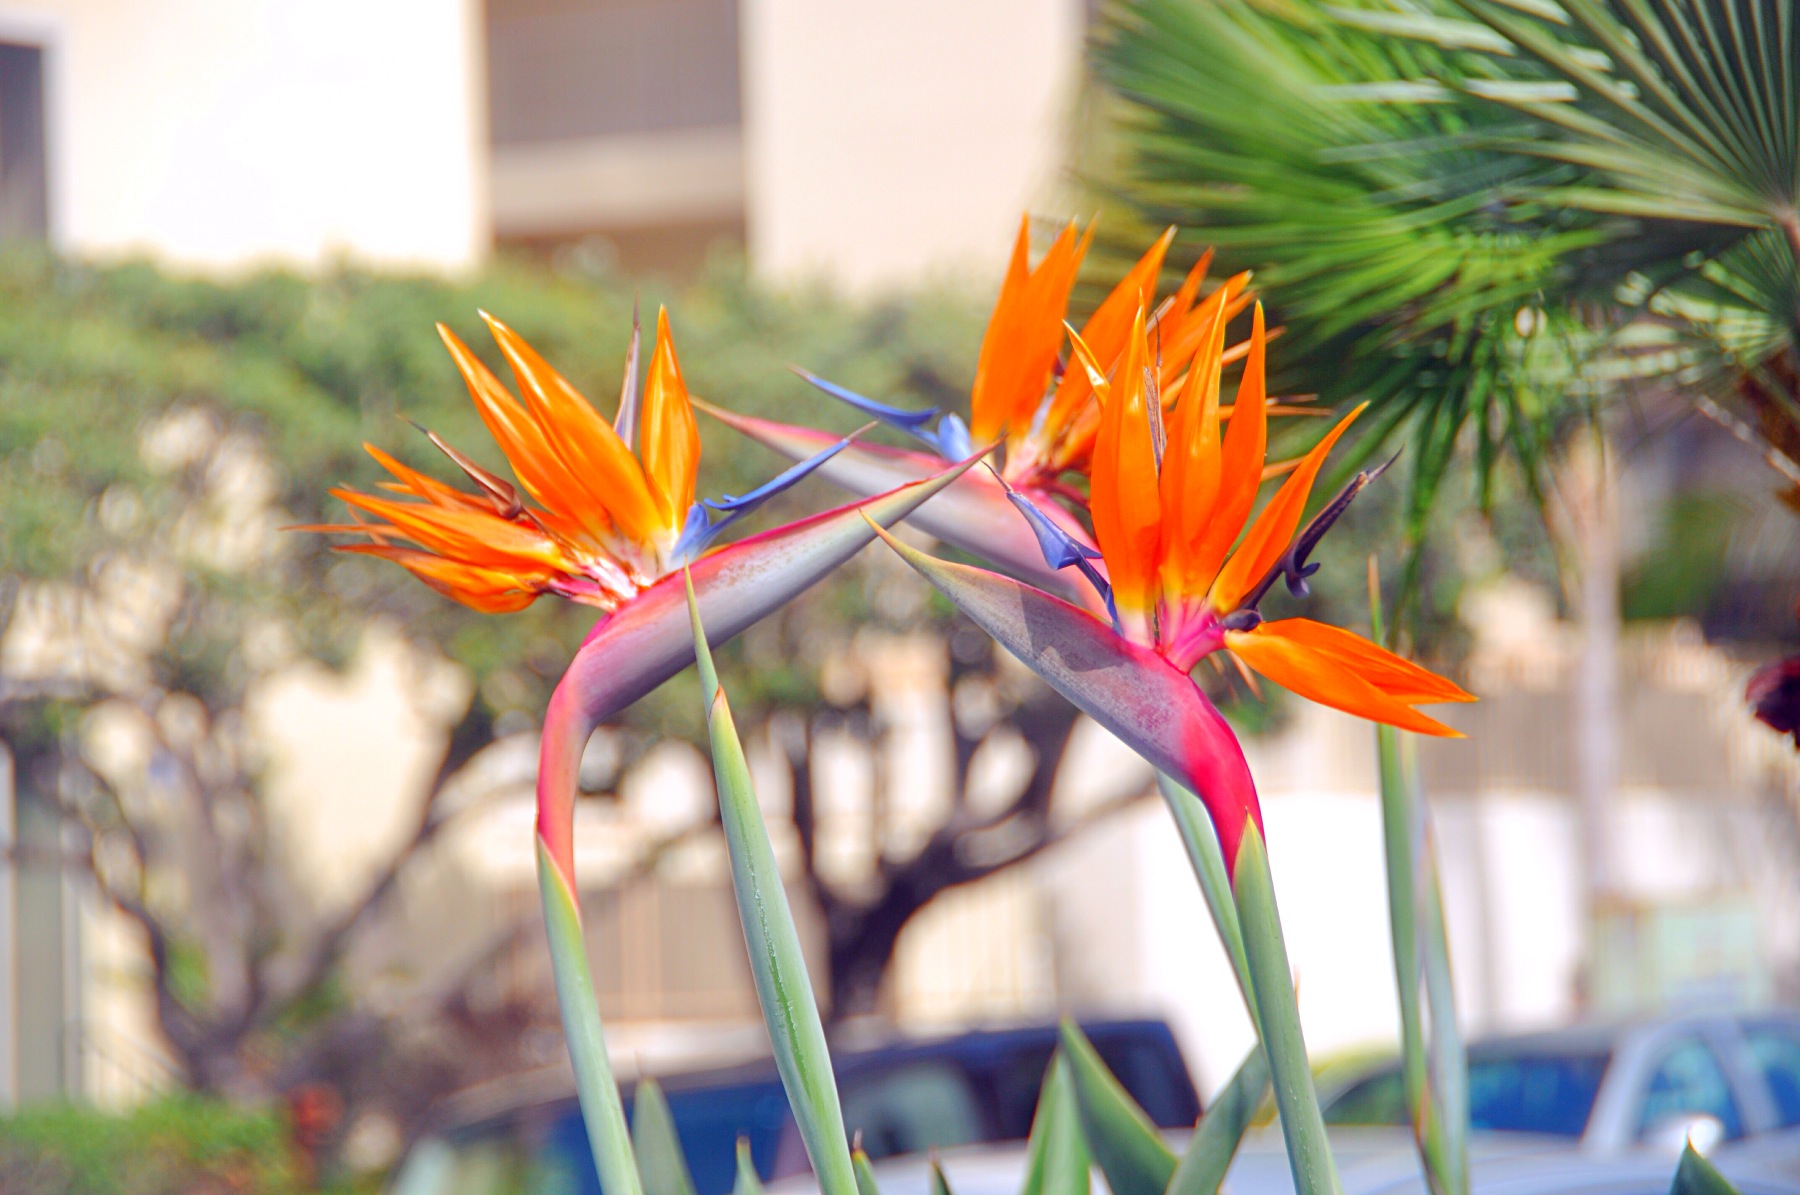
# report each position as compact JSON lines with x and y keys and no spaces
{"x":604,"y":514}
{"x":1169,"y":500}
{"x":1043,"y":415}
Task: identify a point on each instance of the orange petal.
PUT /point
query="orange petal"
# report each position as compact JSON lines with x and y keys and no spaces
{"x":1123,"y":497}
{"x":1107,"y":330}
{"x":602,"y":474}
{"x":1175,"y":310}
{"x":988,"y":410}
{"x":537,"y":465}
{"x":1320,"y":677}
{"x":429,"y":488}
{"x":491,"y":591}
{"x":671,"y":439}
{"x":1018,"y":350}
{"x":1241,"y":460}
{"x":1269,"y":536}
{"x":1190,"y":473}
{"x":475,"y":536}
{"x":1183,"y":340}
{"x":1394,"y":675}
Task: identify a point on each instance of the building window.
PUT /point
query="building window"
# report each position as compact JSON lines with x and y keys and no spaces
{"x":566,"y":70}
{"x":24,"y":192}
{"x":617,"y":124}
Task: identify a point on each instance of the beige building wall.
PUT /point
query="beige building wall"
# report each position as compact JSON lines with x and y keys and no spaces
{"x":221,"y":133}
{"x":888,"y":141}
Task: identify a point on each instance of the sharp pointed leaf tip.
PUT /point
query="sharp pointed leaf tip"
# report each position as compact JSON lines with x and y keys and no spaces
{"x":699,"y":530}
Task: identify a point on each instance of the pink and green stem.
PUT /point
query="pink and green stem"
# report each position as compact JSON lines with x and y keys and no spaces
{"x":629,"y":653}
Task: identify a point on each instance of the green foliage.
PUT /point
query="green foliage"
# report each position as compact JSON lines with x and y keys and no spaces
{"x":1680,"y":576}
{"x":1489,"y":218}
{"x":102,"y":366}
{"x":1696,"y":1176}
{"x":784,"y":990}
{"x":168,"y":1147}
{"x":1434,"y":1063}
{"x":1125,"y":1144}
{"x":747,"y":1181}
{"x":1057,"y":1157}
{"x":1378,"y":231}
{"x":1216,"y":1138}
{"x":661,"y":1164}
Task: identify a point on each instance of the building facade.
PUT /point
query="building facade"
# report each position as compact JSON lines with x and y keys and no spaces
{"x":866,"y":144}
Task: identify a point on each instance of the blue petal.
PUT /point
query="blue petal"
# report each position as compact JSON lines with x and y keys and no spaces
{"x":700,"y":530}
{"x":950,"y":440}
{"x":953,"y":438}
{"x":1061,"y":549}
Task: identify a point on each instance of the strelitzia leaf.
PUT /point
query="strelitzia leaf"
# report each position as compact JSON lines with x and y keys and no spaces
{"x":1221,"y":1130}
{"x":1057,"y":1158}
{"x":783,"y":988}
{"x":1217,"y":1137}
{"x":1694,"y":1175}
{"x":865,"y":1175}
{"x":661,"y":1163}
{"x":1122,"y":1138}
{"x":974,"y":514}
{"x":648,"y":640}
{"x":628,"y":654}
{"x":747,"y":1182}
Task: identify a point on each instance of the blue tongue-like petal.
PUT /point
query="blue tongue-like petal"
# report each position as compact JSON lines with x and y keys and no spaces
{"x":1061,"y":549}
{"x":700,"y":529}
{"x":950,"y":439}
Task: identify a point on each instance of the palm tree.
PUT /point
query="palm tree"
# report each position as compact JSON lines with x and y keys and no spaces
{"x":1488,"y":216}
{"x":1492,"y":218}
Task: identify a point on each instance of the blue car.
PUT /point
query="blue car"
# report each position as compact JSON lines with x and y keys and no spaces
{"x":900,"y":1095}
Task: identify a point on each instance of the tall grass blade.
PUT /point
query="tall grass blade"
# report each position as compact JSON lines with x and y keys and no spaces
{"x":1433,"y":1063}
{"x":661,"y":1162}
{"x":1309,"y":1154}
{"x":1216,"y":1138}
{"x":783,"y":987}
{"x":1057,"y":1157}
{"x":1124,"y":1141}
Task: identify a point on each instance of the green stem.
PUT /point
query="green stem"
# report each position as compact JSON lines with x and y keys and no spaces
{"x":1208,"y":862}
{"x":783,"y":987}
{"x":1434,"y":1069}
{"x":601,"y":1108}
{"x":1309,"y":1154}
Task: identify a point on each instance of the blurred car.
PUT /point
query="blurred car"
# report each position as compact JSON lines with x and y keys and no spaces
{"x":1731,"y":1083}
{"x":1592,"y":1110}
{"x":901,"y":1095}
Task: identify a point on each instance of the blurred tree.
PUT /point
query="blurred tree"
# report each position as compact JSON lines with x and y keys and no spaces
{"x":156,"y":433}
